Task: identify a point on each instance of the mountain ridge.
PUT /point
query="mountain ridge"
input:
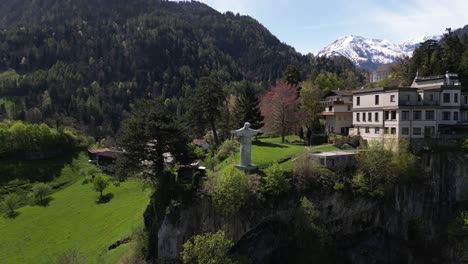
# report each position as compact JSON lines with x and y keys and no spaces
{"x":369,"y":53}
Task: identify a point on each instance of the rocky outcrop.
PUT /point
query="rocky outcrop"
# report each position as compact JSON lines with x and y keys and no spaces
{"x":406,"y":227}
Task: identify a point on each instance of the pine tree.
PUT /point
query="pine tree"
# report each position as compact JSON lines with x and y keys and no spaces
{"x":292,"y":76}
{"x":246,"y":108}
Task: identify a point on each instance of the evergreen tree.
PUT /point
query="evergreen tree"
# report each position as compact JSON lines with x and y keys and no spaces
{"x":206,"y":108}
{"x":148,"y":135}
{"x":247,"y":107}
{"x":291,"y":75}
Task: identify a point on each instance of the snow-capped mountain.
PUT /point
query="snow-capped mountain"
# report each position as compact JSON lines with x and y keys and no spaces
{"x":371,"y":53}
{"x":411,"y":44}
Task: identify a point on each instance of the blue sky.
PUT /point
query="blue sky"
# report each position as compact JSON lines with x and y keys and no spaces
{"x":310,"y":25}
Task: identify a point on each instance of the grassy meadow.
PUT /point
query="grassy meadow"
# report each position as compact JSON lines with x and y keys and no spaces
{"x":72,"y":221}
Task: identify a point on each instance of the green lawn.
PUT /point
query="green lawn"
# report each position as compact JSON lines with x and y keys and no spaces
{"x":268,"y":151}
{"x":74,"y":221}
{"x":324,"y":148}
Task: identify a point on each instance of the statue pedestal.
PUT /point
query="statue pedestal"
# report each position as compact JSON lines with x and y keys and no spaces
{"x":247,"y":169}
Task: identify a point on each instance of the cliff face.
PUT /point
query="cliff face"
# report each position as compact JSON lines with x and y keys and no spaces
{"x":407,"y":227}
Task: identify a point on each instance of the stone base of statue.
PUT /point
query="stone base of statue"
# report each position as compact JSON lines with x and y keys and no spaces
{"x":247,"y":169}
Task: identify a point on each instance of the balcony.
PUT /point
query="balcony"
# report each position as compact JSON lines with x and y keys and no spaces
{"x":328,"y":103}
{"x":416,"y":103}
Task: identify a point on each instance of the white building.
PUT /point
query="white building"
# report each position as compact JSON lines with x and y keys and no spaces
{"x":338,"y":112}
{"x":431,"y":107}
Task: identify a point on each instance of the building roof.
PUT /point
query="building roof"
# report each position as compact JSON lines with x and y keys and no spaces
{"x":371,"y":90}
{"x":384,"y":68}
{"x":199,"y":142}
{"x":109,"y":153}
{"x":99,"y":150}
{"x":338,"y":92}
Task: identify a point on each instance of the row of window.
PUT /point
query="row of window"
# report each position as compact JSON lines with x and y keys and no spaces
{"x":429,"y":115}
{"x":417,"y":131}
{"x":445,"y":96}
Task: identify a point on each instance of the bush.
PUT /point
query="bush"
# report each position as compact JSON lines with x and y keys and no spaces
{"x":307,"y":173}
{"x":231,"y":192}
{"x":40,"y":191}
{"x":318,"y":139}
{"x":12,"y":202}
{"x":210,"y":248}
{"x":211,"y":161}
{"x":380,"y":167}
{"x":275,"y":182}
{"x":226,"y":149}
{"x":339,"y":186}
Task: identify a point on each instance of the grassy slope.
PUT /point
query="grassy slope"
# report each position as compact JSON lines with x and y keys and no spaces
{"x":73,"y":221}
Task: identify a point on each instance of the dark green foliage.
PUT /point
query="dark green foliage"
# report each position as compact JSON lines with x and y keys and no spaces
{"x":85,"y":63}
{"x":436,"y":58}
{"x":207,"y":104}
{"x":247,"y":107}
{"x":149,"y":133}
{"x":292,"y":76}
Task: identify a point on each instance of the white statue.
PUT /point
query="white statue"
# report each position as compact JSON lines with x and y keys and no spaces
{"x":245,"y":137}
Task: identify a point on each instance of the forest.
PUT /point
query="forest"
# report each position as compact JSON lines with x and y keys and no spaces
{"x":63,"y":62}
{"x":436,"y":58}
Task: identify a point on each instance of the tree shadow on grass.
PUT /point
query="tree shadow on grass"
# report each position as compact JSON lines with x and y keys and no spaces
{"x":105,"y":198}
{"x":12,"y":215}
{"x":45,"y":202}
{"x":268,"y":144}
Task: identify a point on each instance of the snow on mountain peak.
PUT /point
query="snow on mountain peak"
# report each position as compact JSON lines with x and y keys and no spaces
{"x":370,"y":53}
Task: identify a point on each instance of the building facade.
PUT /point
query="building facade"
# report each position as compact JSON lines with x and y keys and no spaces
{"x":338,"y":112}
{"x":430,"y":107}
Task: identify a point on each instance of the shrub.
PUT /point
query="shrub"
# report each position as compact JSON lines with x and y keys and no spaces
{"x":307,"y":173}
{"x":210,"y":248}
{"x":380,"y":167}
{"x":275,"y":182}
{"x":231,"y":191}
{"x":12,"y":202}
{"x":211,"y":161}
{"x":226,"y":149}
{"x":40,"y":191}
{"x":100,"y":184}
{"x":339,"y":186}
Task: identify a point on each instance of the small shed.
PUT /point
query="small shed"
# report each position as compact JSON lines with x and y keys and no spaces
{"x":202,"y":144}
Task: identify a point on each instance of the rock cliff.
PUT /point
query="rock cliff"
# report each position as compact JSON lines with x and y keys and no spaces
{"x":407,"y":226}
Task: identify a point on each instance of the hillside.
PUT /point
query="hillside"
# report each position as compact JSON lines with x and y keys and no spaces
{"x":85,"y":63}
